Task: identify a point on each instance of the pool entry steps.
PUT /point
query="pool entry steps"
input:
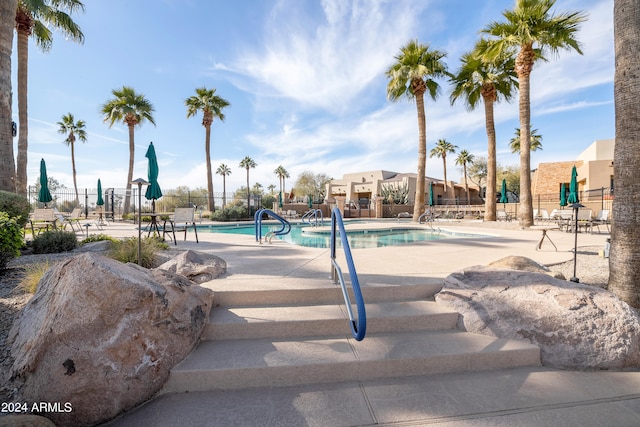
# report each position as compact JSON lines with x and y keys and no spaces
{"x":290,"y":331}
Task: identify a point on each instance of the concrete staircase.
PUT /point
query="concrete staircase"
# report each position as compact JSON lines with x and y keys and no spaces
{"x":301,"y":335}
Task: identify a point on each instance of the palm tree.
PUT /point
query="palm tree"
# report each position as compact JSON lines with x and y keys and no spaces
{"x":531,"y":28}
{"x":442,"y":148}
{"x":410,"y":77}
{"x":536,"y":141}
{"x":132,"y":109}
{"x":282,"y":173}
{"x":37,"y":18}
{"x":271,"y":188}
{"x":72,"y":129}
{"x":624,"y":261}
{"x":489,"y":81}
{"x":225,"y":172}
{"x":465,"y":158}
{"x":7,"y":167}
{"x":211,"y":105}
{"x":248,"y":163}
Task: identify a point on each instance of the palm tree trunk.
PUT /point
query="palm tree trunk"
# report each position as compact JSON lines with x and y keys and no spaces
{"x":127,"y":199}
{"x":525,"y":213}
{"x":422,"y":157}
{"x":7,"y":171}
{"x":624,"y":261}
{"x":207,"y":149}
{"x":224,"y":191}
{"x":444,"y":169}
{"x":248,"y":195}
{"x":466,"y":184}
{"x":73,"y":169}
{"x":23,"y":131}
{"x":490,"y":197}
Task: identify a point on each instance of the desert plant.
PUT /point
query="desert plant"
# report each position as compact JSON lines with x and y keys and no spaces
{"x":397,"y":193}
{"x":10,"y":239}
{"x":54,"y":241}
{"x":32,"y":276}
{"x":97,"y":238}
{"x":126,"y":250}
{"x":15,"y":206}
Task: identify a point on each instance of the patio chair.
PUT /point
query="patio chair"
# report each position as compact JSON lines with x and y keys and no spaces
{"x":584,"y":220}
{"x":183,"y":218}
{"x":502,"y":216}
{"x":73,"y":219}
{"x":544,"y":217}
{"x":42,"y":219}
{"x":602,"y":219}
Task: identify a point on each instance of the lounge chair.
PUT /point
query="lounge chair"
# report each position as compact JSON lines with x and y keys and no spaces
{"x":183,"y":218}
{"x":602,"y":219}
{"x":72,"y":220}
{"x":42,"y":219}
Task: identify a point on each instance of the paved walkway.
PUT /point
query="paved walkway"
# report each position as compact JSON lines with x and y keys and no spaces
{"x":514,"y":397}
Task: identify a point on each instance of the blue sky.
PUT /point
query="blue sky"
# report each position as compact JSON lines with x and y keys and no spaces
{"x":307,"y":87}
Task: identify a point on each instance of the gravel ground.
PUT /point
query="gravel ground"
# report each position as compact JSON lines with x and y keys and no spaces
{"x":591,"y":268}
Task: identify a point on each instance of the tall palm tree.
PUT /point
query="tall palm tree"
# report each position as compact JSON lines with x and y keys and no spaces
{"x":531,"y":28}
{"x":73,"y":130}
{"x":211,"y":105}
{"x":271,"y":188}
{"x":248,"y":163}
{"x":225,"y":172}
{"x":624,"y":261}
{"x":410,"y":77}
{"x":536,"y":141}
{"x":465,"y":158}
{"x":37,"y":18}
{"x":442,"y":148}
{"x":282,"y":173}
{"x":7,"y":165}
{"x":490,"y":81}
{"x":132,"y":109}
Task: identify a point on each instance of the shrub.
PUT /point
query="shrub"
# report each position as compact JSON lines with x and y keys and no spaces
{"x":232,"y":213}
{"x":126,"y":250}
{"x":54,"y":241}
{"x":16,"y":206}
{"x":33,"y":274}
{"x":97,"y":238}
{"x":10,"y":239}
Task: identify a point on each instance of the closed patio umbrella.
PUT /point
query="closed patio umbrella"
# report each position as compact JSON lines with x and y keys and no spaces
{"x":153,"y":189}
{"x":100,"y":200}
{"x":573,"y":187}
{"x":431,"y":194}
{"x":503,"y":192}
{"x":563,"y":195}
{"x":280,"y":200}
{"x":44,"y":196}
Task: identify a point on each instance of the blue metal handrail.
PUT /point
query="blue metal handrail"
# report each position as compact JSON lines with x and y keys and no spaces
{"x":359,"y":325}
{"x":286,"y":225}
{"x":313,"y":213}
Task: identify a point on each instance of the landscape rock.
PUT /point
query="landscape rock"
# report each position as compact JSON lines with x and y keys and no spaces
{"x":576,"y":326}
{"x":102,"y":336}
{"x":524,"y":264}
{"x":100,"y":246}
{"x":197,"y":266}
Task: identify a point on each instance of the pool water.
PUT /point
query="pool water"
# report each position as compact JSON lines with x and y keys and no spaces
{"x":308,"y":236}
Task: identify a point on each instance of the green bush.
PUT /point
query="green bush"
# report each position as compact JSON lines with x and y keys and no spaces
{"x":10,"y":239}
{"x":16,"y":206}
{"x":126,"y":250}
{"x":97,"y":238}
{"x":232,"y":213}
{"x":54,"y":241}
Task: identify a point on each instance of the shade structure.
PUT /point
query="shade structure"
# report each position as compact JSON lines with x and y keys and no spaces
{"x":563,"y":195}
{"x":153,"y":189}
{"x":431,"y":194}
{"x":503,"y":192}
{"x":573,"y":187}
{"x":44,"y":196}
{"x":100,"y":200}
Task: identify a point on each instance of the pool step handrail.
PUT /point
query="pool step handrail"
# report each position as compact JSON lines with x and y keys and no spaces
{"x":286,"y":225}
{"x":358,"y":325}
{"x":427,"y":216}
{"x":311,"y":216}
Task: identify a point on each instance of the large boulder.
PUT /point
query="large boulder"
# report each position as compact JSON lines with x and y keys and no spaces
{"x":521,"y":263}
{"x":99,"y":336}
{"x":576,"y":326}
{"x":197,"y":266}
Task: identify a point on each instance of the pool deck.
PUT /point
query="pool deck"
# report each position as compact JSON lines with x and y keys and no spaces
{"x":535,"y":396}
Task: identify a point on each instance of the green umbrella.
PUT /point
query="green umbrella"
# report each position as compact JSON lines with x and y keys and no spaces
{"x":431,"y":194}
{"x":44,"y":195}
{"x":573,"y":187}
{"x":153,"y":189}
{"x":563,"y":195}
{"x":280,"y":200}
{"x":503,"y":192}
{"x":100,"y":201}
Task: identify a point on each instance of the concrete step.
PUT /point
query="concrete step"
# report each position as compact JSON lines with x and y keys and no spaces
{"x":324,"y":320}
{"x":239,"y":364}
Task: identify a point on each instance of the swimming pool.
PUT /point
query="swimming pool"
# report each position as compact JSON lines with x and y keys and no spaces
{"x":308,"y":236}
